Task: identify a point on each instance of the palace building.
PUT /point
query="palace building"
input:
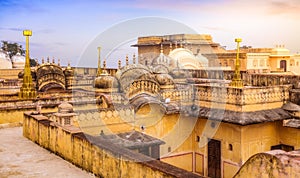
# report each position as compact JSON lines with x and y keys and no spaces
{"x":185,"y":107}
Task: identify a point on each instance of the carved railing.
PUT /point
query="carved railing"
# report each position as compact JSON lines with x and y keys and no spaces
{"x":142,"y":86}
{"x":242,"y":96}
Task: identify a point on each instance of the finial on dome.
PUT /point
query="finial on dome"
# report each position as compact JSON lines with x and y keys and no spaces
{"x":133,"y":58}
{"x":48,"y":60}
{"x":69,"y":65}
{"x":53,"y":60}
{"x":127,"y":61}
{"x":43,"y":60}
{"x":104,"y":64}
{"x":119,"y":64}
{"x":58,"y":62}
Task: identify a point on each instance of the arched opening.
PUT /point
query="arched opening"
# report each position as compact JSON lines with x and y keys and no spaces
{"x":283,"y":65}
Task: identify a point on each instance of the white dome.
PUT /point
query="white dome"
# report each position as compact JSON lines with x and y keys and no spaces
{"x":18,"y":61}
{"x":5,"y":62}
{"x":185,"y":58}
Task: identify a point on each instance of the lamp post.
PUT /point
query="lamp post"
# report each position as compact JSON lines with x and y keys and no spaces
{"x":27,"y":90}
{"x":237,"y":81}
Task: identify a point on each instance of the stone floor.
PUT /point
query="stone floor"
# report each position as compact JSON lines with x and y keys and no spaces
{"x":19,"y":157}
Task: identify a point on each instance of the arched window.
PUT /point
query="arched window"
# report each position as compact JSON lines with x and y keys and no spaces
{"x":292,"y":62}
{"x":262,"y":63}
{"x":254,"y":62}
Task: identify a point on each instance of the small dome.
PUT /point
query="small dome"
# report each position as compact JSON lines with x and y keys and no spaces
{"x":65,"y":107}
{"x":164,"y":79}
{"x":18,"y":61}
{"x":105,"y":81}
{"x":179,"y":74}
{"x":130,"y":73}
{"x":162,"y":59}
{"x":69,"y":71}
{"x":280,"y":51}
{"x":5,"y":62}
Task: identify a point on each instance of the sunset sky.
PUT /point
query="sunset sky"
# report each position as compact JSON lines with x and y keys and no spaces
{"x":64,"y":29}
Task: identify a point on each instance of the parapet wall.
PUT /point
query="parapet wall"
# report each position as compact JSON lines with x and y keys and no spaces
{"x":102,"y":159}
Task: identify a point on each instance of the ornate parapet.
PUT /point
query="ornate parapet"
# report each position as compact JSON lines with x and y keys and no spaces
{"x":242,"y":99}
{"x":142,"y":86}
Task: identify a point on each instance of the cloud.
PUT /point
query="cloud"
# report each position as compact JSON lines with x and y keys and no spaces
{"x":12,"y":29}
{"x":46,"y":31}
{"x":289,"y":7}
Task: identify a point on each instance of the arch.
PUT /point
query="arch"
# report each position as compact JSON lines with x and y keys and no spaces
{"x":283,"y":65}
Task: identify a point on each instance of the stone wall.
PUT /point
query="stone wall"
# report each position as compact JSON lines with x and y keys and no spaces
{"x":101,"y":158}
{"x":272,"y":164}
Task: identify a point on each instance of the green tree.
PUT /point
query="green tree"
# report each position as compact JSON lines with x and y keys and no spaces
{"x":12,"y":48}
{"x":33,"y":63}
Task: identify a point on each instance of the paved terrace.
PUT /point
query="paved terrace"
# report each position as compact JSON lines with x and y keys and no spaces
{"x":19,"y":157}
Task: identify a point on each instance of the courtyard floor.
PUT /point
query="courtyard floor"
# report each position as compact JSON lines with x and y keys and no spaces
{"x":19,"y":157}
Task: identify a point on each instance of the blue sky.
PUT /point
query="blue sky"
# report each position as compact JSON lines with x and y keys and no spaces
{"x":64,"y":29}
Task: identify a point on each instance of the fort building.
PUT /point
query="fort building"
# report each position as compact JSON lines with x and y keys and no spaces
{"x":177,"y":107}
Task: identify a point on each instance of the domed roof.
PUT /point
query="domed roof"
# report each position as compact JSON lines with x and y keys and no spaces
{"x":5,"y":62}
{"x":179,"y":74}
{"x":45,"y":69}
{"x":202,"y":60}
{"x":69,"y":71}
{"x":65,"y":107}
{"x":280,"y":50}
{"x":164,"y":79}
{"x":106,"y":81}
{"x":18,"y":61}
{"x":163,"y":59}
{"x":130,"y":73}
{"x":185,"y":58}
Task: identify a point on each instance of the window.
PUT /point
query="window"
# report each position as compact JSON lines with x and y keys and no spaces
{"x":262,"y":63}
{"x":197,"y":139}
{"x":254,"y":63}
{"x":282,"y":147}
{"x":67,"y":121}
{"x":230,"y":148}
{"x":86,"y":71}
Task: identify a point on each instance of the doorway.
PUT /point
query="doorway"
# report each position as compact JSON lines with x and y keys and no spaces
{"x":283,"y":65}
{"x":214,"y":158}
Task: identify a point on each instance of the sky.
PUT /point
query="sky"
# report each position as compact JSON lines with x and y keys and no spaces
{"x":65,"y":29}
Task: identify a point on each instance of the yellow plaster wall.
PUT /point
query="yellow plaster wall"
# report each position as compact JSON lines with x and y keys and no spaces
{"x":16,"y":115}
{"x":81,"y":152}
{"x":258,"y":138}
{"x":184,"y":161}
{"x":289,"y":136}
{"x":226,"y":133}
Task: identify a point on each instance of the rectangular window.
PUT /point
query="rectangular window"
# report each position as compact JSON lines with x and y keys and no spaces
{"x":67,"y":121}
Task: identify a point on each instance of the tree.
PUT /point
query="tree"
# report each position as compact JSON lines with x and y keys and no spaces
{"x":13,"y":48}
{"x":32,"y":63}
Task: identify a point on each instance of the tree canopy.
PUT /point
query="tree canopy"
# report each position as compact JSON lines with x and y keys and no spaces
{"x":13,"y":48}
